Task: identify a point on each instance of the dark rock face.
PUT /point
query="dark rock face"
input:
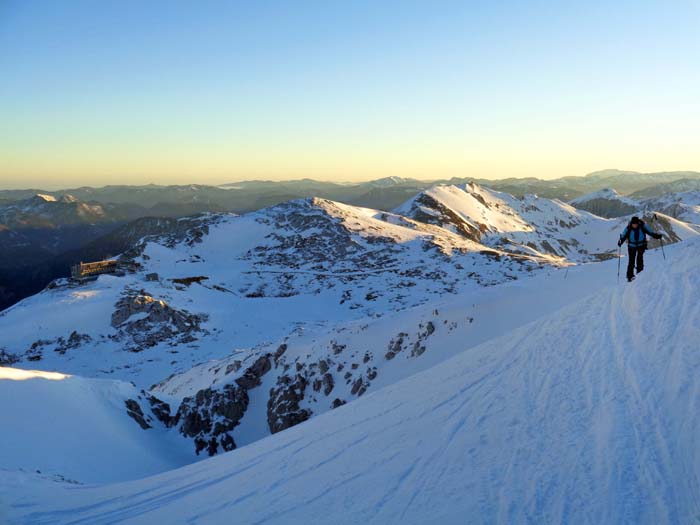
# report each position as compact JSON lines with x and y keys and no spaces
{"x":60,"y":345}
{"x":158,"y":323}
{"x":251,"y":377}
{"x":133,"y":409}
{"x":606,"y":207}
{"x":74,"y":341}
{"x":395,"y":346}
{"x":444,"y":217}
{"x":280,"y":352}
{"x":326,"y":382}
{"x":210,"y":415}
{"x":160,"y":409}
{"x":283,"y":410}
{"x":8,"y":358}
{"x":337,"y":403}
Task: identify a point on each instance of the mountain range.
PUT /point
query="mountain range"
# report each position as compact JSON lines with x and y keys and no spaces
{"x":467,"y":353}
{"x":43,"y":232}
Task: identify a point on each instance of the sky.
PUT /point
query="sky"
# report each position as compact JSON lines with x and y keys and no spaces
{"x":95,"y":93}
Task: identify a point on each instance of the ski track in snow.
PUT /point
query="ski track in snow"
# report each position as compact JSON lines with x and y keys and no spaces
{"x":586,"y":416}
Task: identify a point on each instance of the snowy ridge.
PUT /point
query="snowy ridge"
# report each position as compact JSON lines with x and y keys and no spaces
{"x":530,"y":225}
{"x":311,"y":262}
{"x":606,"y":194}
{"x":248,"y":325}
{"x":526,"y":427}
{"x":681,"y":205}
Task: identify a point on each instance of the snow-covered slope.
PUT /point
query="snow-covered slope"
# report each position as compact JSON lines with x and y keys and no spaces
{"x":80,"y":430}
{"x":684,"y":206}
{"x":49,"y":211}
{"x":523,"y":225}
{"x":220,"y":283}
{"x":248,"y":325}
{"x":586,"y":416}
{"x":606,"y":203}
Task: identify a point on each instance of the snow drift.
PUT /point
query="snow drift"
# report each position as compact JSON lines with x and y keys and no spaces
{"x":78,"y":429}
{"x":589,"y":415}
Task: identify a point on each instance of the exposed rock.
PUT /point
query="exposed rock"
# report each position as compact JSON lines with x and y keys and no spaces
{"x":395,"y":346}
{"x":280,"y":350}
{"x":154,"y":322}
{"x":152,"y":276}
{"x":328,"y":383}
{"x":159,"y":408}
{"x":74,"y":341}
{"x":186,"y":281}
{"x":233,"y":367}
{"x":323,"y":366}
{"x":133,"y":409}
{"x":358,"y":387}
{"x":210,"y":415}
{"x":8,"y":358}
{"x":251,"y":377}
{"x":337,"y":402}
{"x":337,"y":348}
{"x":283,"y":410}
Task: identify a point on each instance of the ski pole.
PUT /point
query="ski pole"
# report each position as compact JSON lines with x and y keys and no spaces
{"x":661,"y":239}
{"x":619,"y":256}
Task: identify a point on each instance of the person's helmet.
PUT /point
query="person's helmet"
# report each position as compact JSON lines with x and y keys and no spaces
{"x":635,"y":220}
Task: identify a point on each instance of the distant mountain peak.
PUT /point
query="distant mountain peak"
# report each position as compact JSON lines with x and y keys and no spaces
{"x":44,"y":197}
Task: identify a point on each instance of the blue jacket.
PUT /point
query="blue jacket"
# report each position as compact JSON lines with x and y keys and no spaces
{"x":636,"y":237}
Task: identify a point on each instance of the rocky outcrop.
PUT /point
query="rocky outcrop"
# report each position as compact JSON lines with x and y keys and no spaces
{"x":428,"y":210}
{"x":210,"y":415}
{"x":145,"y":322}
{"x":283,"y":406}
{"x":251,"y":377}
{"x":8,"y":358}
{"x":160,"y":409}
{"x":133,"y":410}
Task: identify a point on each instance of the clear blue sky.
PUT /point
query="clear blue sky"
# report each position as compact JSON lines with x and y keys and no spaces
{"x":97,"y":92}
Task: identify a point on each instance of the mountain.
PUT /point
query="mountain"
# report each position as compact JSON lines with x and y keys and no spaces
{"x":684,"y":206}
{"x":310,"y":261}
{"x":606,"y":203}
{"x":580,"y":405}
{"x":261,"y":321}
{"x":529,"y":224}
{"x":384,"y":194}
{"x":48,"y":211}
{"x":37,"y":230}
{"x":659,"y":190}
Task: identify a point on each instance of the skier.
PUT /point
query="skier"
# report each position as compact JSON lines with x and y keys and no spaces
{"x":636,"y":236}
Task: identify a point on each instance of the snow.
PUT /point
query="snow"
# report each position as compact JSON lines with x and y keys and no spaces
{"x":266,"y":276}
{"x":16,"y":374}
{"x":588,"y":415}
{"x":541,"y":387}
{"x":78,"y":428}
{"x":604,"y":194}
{"x":46,"y":198}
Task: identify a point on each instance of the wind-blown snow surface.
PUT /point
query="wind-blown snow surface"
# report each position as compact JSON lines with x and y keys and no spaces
{"x":590,"y":415}
{"x":78,"y":429}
